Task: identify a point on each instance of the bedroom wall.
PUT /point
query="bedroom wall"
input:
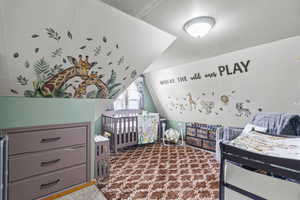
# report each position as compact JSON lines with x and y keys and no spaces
{"x":231,"y":88}
{"x":40,"y":39}
{"x":24,"y":112}
{"x":43,"y":40}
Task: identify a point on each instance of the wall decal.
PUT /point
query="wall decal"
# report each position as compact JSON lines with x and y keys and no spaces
{"x":207,"y":106}
{"x":16,"y":55}
{"x":43,"y":59}
{"x":14,"y":91}
{"x":69,"y":34}
{"x":97,"y":51}
{"x":57,"y":52}
{"x":22,"y":80}
{"x":208,"y":103}
{"x":133,"y":74}
{"x":224,"y":70}
{"x":35,"y":36}
{"x":224,"y":99}
{"x":104,"y":39}
{"x":53,"y":34}
{"x":27,"y":64}
{"x":121,"y":60}
{"x":242,"y":111}
{"x":192,"y":103}
{"x":109,"y":53}
{"x":75,"y":77}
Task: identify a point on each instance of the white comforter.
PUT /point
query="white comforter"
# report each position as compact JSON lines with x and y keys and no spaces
{"x":268,"y":145}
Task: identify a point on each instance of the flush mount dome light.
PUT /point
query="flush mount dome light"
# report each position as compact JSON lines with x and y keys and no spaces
{"x":199,"y":26}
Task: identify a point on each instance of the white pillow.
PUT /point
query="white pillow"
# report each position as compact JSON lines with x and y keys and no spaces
{"x":250,"y":127}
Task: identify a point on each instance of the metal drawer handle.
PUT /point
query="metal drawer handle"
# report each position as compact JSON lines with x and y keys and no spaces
{"x":47,"y":185}
{"x":46,"y":140}
{"x":46,"y":163}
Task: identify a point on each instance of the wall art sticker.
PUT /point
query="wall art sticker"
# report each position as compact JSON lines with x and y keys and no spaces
{"x":192,"y":103}
{"x":76,"y":76}
{"x":207,"y":106}
{"x":225,"y":99}
{"x":242,"y":111}
{"x":209,"y":103}
{"x":53,"y":34}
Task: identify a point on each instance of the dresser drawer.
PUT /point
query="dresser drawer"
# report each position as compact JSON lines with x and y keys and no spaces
{"x":37,"y":187}
{"x":24,"y":166}
{"x":40,"y":140}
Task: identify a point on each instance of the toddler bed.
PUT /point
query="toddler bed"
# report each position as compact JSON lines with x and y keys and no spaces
{"x":275,"y":155}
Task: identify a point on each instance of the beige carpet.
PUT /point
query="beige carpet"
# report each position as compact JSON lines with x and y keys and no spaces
{"x":162,"y":172}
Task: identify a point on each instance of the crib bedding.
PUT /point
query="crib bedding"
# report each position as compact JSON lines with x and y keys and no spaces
{"x":268,"y":145}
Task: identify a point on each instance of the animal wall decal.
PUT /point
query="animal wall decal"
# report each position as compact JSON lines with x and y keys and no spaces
{"x":192,"y":103}
{"x":242,"y":111}
{"x":76,"y":76}
{"x":207,"y":106}
{"x":210,"y":103}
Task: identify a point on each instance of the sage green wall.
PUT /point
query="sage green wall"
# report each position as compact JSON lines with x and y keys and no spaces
{"x":22,"y":112}
{"x":148,"y":101}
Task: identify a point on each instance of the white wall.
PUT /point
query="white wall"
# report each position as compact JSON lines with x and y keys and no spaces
{"x":89,"y":21}
{"x":271,"y":84}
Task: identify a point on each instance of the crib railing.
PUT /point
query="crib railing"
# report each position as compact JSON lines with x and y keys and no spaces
{"x":123,"y":128}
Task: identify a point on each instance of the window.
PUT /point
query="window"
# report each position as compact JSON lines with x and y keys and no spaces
{"x":131,"y":98}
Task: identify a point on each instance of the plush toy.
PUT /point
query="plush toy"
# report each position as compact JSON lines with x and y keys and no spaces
{"x":172,"y":136}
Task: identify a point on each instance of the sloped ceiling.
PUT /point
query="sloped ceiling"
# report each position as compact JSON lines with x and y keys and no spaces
{"x":46,"y":43}
{"x":240,"y":24}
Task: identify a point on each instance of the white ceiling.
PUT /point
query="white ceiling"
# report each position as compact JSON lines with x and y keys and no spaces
{"x":239,"y":24}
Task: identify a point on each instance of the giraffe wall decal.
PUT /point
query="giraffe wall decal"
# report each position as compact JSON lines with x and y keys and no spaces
{"x":192,"y":103}
{"x":80,"y":68}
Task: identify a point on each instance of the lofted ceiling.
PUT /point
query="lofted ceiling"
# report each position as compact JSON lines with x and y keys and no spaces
{"x":239,"y":24}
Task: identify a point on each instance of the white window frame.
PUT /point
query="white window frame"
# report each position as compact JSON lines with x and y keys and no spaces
{"x":126,"y":98}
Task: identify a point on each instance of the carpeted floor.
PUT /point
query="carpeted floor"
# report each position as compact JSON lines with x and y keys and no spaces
{"x":163,"y":172}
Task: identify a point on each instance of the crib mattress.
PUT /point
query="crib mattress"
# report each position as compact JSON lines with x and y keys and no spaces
{"x":268,"y":145}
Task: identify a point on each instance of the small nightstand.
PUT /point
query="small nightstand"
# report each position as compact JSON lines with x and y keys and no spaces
{"x":102,"y":157}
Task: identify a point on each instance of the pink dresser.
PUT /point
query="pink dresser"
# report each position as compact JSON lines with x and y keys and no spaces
{"x":47,"y":159}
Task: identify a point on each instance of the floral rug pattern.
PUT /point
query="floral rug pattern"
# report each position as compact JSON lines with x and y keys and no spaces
{"x":162,"y":172}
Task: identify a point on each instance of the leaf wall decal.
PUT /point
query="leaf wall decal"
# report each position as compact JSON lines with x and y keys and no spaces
{"x":69,"y":34}
{"x":35,"y":36}
{"x":104,"y":39}
{"x":16,"y":55}
{"x":83,"y":47}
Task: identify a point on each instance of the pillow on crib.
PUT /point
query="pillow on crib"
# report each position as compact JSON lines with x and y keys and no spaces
{"x":251,"y":127}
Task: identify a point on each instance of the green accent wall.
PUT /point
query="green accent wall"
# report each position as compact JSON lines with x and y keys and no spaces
{"x":24,"y":112}
{"x":21,"y":111}
{"x":148,"y":101}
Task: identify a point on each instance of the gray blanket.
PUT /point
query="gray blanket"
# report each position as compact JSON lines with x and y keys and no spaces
{"x":278,"y":123}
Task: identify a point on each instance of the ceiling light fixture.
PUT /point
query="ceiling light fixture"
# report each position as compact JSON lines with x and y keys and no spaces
{"x":199,"y":26}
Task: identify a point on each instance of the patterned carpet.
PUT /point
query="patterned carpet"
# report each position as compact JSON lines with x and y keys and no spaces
{"x":162,"y":172}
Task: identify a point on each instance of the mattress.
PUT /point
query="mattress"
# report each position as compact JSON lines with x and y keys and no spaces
{"x":268,"y":145}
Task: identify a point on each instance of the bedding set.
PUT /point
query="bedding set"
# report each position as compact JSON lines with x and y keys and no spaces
{"x":268,"y":145}
{"x":264,"y":136}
